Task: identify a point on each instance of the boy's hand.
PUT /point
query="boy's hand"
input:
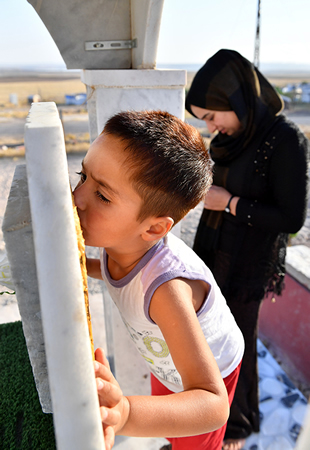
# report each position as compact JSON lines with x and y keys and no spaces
{"x":114,"y":407}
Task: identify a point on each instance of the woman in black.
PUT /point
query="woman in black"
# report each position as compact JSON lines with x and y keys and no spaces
{"x":258,"y":197}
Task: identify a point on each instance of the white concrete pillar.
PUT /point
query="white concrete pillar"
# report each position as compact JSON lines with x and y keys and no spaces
{"x":145,"y":26}
{"x":103,"y":34}
{"x":112,"y":91}
{"x":68,"y":351}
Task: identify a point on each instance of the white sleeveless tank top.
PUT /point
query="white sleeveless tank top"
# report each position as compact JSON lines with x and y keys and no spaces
{"x":171,"y":258}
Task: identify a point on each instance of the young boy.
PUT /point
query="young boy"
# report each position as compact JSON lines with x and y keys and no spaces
{"x":139,"y":178}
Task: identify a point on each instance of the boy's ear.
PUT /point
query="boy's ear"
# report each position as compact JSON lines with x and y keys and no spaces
{"x":158,"y":228}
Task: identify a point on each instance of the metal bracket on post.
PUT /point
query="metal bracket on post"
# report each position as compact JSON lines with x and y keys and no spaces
{"x":111,"y":45}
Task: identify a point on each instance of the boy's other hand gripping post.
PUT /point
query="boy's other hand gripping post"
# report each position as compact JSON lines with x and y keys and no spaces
{"x":114,"y":406}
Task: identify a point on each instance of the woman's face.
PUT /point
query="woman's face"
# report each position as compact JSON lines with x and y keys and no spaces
{"x":225,"y":122}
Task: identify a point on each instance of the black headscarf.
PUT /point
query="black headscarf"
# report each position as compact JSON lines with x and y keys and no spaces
{"x":229,"y":82}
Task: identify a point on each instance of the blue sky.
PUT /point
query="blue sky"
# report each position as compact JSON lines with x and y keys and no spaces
{"x":191,"y":31}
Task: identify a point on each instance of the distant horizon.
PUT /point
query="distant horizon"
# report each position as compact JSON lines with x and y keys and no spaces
{"x":263,"y":67}
{"x":270,"y":68}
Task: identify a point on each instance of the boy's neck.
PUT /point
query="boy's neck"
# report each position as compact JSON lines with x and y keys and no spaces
{"x":120,"y":265}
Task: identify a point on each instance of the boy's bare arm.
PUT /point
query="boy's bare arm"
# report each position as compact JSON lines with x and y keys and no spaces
{"x":203,"y":405}
{"x":93,"y":268}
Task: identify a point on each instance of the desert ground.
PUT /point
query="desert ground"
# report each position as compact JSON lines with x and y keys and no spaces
{"x":54,"y":86}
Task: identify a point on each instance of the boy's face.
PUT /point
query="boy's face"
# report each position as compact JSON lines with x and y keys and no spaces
{"x":107,"y":204}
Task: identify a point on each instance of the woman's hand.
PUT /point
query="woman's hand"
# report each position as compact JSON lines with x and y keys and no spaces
{"x":114,"y":407}
{"x":217,"y":198}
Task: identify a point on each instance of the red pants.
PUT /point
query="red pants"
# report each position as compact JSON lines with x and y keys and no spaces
{"x":208,"y":441}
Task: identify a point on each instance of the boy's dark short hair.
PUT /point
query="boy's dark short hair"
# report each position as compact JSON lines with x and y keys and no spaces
{"x":168,"y":162}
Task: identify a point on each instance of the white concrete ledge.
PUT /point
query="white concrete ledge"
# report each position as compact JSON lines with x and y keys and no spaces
{"x":68,"y":351}
{"x":18,"y":236}
{"x":134,"y":78}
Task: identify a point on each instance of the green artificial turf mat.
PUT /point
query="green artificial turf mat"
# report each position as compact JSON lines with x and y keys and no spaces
{"x":23,"y":425}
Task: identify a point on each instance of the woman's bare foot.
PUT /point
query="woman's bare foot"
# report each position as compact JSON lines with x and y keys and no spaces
{"x":233,"y":444}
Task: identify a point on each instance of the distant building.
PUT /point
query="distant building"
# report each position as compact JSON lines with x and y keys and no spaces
{"x":289,"y":88}
{"x":34,"y":98}
{"x":299,"y":92}
{"x":305,"y":92}
{"x":75,"y":99}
